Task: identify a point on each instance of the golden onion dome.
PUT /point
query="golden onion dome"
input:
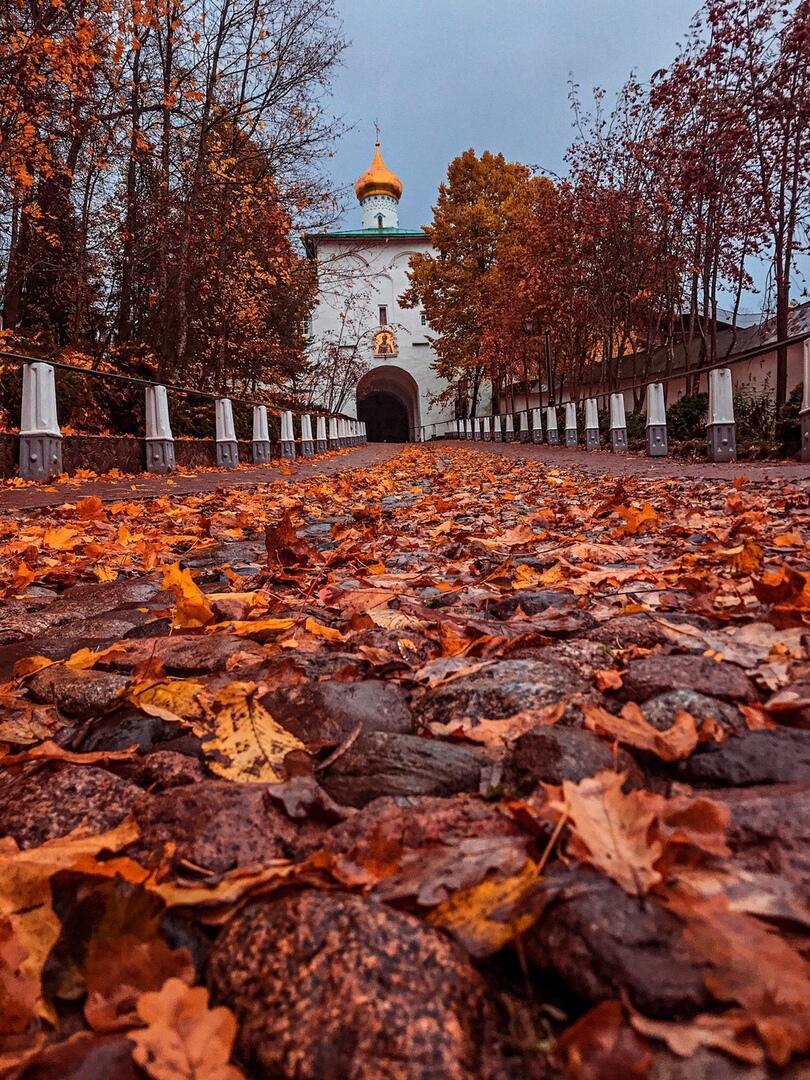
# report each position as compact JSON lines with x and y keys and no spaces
{"x":378,"y":179}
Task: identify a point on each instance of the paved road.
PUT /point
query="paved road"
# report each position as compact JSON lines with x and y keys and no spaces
{"x":142,"y":486}
{"x":605,"y":463}
{"x":601,"y":463}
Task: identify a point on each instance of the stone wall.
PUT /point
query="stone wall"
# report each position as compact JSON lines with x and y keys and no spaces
{"x":100,"y":453}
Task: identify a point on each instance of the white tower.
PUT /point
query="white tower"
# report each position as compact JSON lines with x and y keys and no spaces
{"x":378,"y":191}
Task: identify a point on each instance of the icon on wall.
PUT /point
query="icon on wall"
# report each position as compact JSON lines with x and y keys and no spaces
{"x":385,"y":344}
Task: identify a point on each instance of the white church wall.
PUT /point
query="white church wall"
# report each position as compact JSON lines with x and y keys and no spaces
{"x":377,"y":270}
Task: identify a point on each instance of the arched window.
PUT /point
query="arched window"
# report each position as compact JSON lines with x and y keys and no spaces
{"x":379,"y":221}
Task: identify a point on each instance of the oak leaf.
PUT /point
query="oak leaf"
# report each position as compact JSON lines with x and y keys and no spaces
{"x":751,"y":964}
{"x":731,"y":1032}
{"x":632,"y":728}
{"x":184,"y":1039}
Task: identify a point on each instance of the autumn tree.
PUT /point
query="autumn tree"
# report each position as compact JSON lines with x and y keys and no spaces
{"x":449,"y":284}
{"x":154,"y":154}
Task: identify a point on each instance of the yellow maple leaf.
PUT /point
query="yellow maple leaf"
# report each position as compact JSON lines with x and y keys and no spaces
{"x":192,"y":608}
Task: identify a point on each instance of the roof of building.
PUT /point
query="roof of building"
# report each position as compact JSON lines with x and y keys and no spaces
{"x":369,"y":234}
{"x":755,"y":338}
{"x":378,"y":179}
{"x":364,"y":236}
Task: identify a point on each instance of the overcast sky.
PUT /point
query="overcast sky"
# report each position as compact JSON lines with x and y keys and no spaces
{"x":443,"y":75}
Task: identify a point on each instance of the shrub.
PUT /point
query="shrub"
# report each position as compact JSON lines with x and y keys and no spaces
{"x":754,"y":414}
{"x":790,"y":430}
{"x":686,"y":419}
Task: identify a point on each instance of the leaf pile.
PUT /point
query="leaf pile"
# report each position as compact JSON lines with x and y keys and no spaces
{"x":561,"y":722}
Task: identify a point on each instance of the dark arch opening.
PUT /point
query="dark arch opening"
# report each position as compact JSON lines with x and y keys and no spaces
{"x":385,"y":417}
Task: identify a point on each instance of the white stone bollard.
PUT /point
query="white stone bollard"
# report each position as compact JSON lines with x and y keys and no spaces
{"x":496,"y":427}
{"x":552,"y":434}
{"x":525,"y":434}
{"x":509,"y":432}
{"x":537,"y":425}
{"x":721,"y":431}
{"x":159,"y":438}
{"x":40,"y":436}
{"x":486,"y":429}
{"x":320,"y":435}
{"x":287,"y":441}
{"x":365,"y":433}
{"x":570,"y":423}
{"x":618,"y":424}
{"x":466,"y":434}
{"x":592,"y":441}
{"x":307,"y":442}
{"x":334,"y":434}
{"x":656,"y":421}
{"x":261,"y":435}
{"x":227,"y":447}
{"x":478,"y":428}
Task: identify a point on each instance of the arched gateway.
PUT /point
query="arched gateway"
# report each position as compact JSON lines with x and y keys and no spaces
{"x":388,"y":402}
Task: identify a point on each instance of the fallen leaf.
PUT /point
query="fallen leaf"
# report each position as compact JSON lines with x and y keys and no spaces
{"x":607,"y":679}
{"x":603,"y":1046}
{"x":191,"y":605}
{"x":631,"y":728}
{"x":119,"y":971}
{"x":486,"y":916}
{"x":246,"y":744}
{"x":184,"y":1039}
{"x":326,"y":632}
{"x":731,"y":1032}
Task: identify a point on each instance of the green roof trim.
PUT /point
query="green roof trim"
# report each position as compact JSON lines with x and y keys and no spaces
{"x":368,"y":234}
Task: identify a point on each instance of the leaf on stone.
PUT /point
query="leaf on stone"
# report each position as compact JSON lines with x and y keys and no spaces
{"x":29,"y":665}
{"x":609,"y":830}
{"x":173,"y":700}
{"x":61,"y":539}
{"x":260,"y":629}
{"x":602,"y":1046}
{"x":118,"y":971}
{"x":89,"y":508}
{"x":24,"y":723}
{"x":319,"y":630}
{"x":637,"y":519}
{"x":246,"y":744}
{"x":486,"y":916}
{"x":781,"y":586}
{"x":732,"y":1032}
{"x":632,"y":729}
{"x":51,"y":751}
{"x":191,"y":605}
{"x":389,"y":619}
{"x":517,"y":536}
{"x":184,"y":1039}
{"x":25,"y":892}
{"x":752,"y":965}
{"x":607,"y":679}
